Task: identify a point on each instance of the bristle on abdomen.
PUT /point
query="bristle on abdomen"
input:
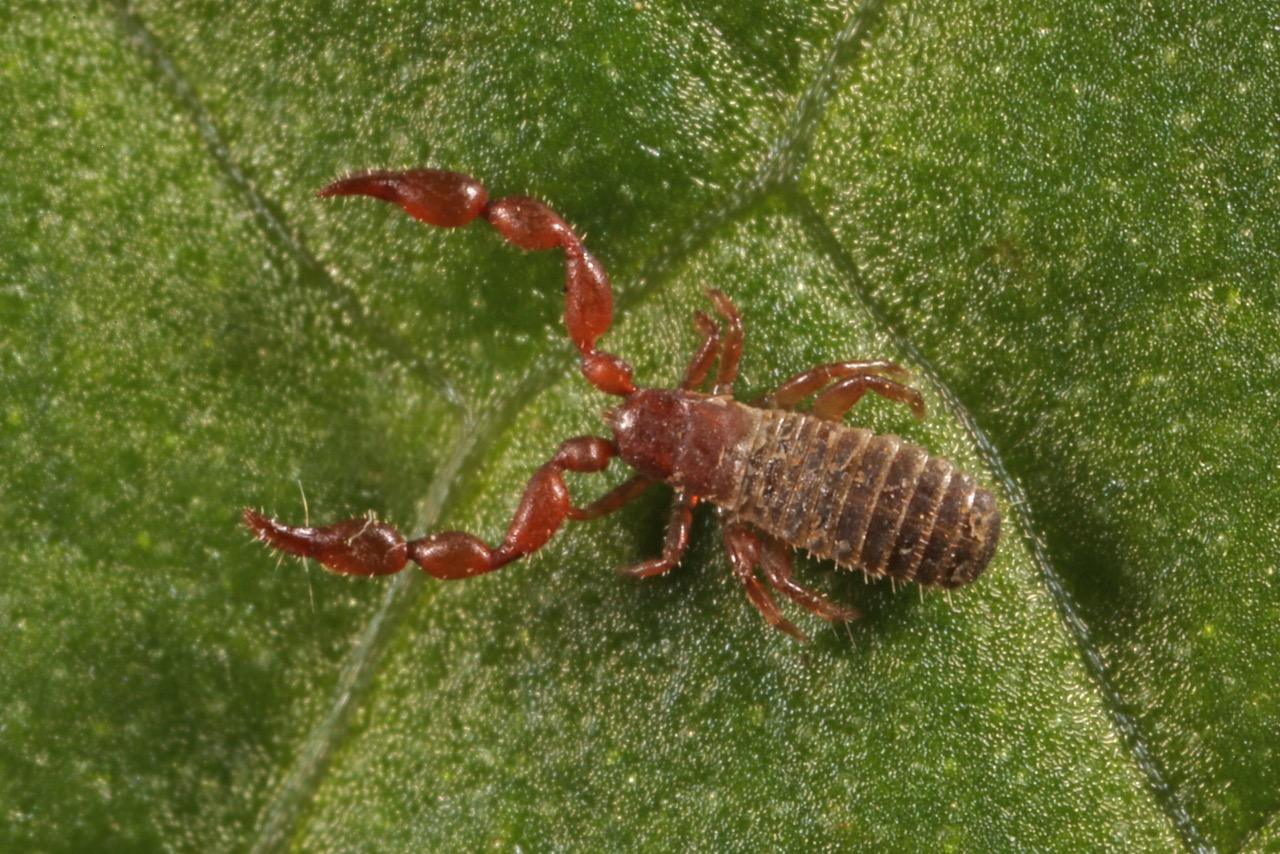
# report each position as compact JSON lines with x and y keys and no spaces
{"x":871,"y":503}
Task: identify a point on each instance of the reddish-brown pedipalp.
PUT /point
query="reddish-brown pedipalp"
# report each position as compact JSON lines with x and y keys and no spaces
{"x":779,"y":478}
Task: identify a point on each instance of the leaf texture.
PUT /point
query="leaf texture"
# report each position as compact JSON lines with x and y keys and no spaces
{"x":1063,"y":217}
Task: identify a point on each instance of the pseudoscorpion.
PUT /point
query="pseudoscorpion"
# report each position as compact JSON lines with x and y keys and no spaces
{"x":780,"y":479}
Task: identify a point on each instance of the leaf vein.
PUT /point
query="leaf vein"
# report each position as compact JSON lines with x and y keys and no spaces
{"x":1124,"y":723}
{"x":374,"y":333}
{"x":790,"y":151}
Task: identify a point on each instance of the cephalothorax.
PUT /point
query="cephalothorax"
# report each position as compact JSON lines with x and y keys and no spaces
{"x":780,"y":479}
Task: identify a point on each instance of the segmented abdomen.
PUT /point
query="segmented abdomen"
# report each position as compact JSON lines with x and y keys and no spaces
{"x":874,"y":503}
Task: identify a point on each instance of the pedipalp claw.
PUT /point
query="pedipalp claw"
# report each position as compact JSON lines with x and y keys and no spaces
{"x":352,"y":547}
{"x":437,"y":197}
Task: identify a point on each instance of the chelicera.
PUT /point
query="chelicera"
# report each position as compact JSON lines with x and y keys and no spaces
{"x":780,"y":479}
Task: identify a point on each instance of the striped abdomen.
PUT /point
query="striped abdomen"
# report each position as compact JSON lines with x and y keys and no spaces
{"x":874,"y":503}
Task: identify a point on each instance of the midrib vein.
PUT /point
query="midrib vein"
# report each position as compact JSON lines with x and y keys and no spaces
{"x":781,"y":173}
{"x":1127,"y":728}
{"x":371,"y":332}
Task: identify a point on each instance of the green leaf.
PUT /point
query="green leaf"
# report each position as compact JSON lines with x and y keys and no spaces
{"x":1064,"y":217}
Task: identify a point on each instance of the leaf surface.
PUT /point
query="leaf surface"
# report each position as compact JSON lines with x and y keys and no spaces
{"x":1064,"y":219}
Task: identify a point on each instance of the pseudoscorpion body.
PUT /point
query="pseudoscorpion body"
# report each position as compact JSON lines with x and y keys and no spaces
{"x":780,"y":479}
{"x":868,"y":502}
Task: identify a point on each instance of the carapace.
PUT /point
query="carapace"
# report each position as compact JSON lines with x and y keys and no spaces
{"x":780,"y":479}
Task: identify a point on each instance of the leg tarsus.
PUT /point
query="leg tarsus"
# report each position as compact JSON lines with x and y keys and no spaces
{"x":806,"y":383}
{"x":833,"y":403}
{"x":700,"y":365}
{"x":674,"y":542}
{"x":731,"y":353}
{"x":775,"y":560}
{"x":744,"y":554}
